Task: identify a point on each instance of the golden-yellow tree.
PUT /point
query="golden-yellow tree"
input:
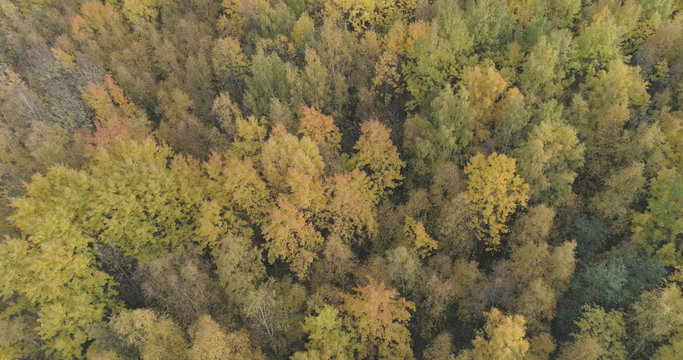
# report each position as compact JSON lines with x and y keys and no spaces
{"x":423,"y":244}
{"x":290,"y":238}
{"x":378,"y":157}
{"x":380,"y":316}
{"x":494,"y":192}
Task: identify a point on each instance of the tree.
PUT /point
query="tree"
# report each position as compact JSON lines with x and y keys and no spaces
{"x":115,"y":112}
{"x":327,"y":338}
{"x":611,"y":283}
{"x":484,"y":86}
{"x":181,"y":129}
{"x":590,"y":234}
{"x":232,"y":199}
{"x":494,"y":192}
{"x":548,"y":162}
{"x":541,"y":77}
{"x":404,"y":269}
{"x":490,"y":23}
{"x":290,"y":238}
{"x":250,"y":134}
{"x":612,"y":98}
{"x":379,"y":316}
{"x":514,"y":122}
{"x":274,"y":314}
{"x":132,"y":184}
{"x":350,"y":211}
{"x":607,"y":329}
{"x":211,"y":343}
{"x":415,"y":232}
{"x":440,"y":349}
{"x":563,"y":12}
{"x":59,"y":283}
{"x":227,"y":114}
{"x":532,"y":227}
{"x":268,"y":80}
{"x":17,"y":338}
{"x":240,"y":269}
{"x":321,"y":129}
{"x":179,"y":285}
{"x":658,"y":316}
{"x":313,"y":84}
{"x":597,"y":45}
{"x":621,"y":190}
{"x":378,"y":157}
{"x":229,"y":64}
{"x":155,"y":337}
{"x":52,"y":272}
{"x":448,"y":131}
{"x":377,"y":14}
{"x":437,"y":53}
{"x":659,"y":229}
{"x":453,"y":227}
{"x":503,"y":337}
{"x":283,"y":151}
{"x":585,"y":349}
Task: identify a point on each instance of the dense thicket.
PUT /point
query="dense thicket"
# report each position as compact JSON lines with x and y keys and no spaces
{"x":338,"y":179}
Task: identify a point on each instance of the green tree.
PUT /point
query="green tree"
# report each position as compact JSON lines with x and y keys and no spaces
{"x":606,"y":328}
{"x":490,"y":23}
{"x":229,"y":64}
{"x":659,"y":230}
{"x":548,"y":162}
{"x":448,"y":132}
{"x":437,"y":54}
{"x":622,"y":189}
{"x":52,"y":272}
{"x":597,"y":45}
{"x":327,"y":338}
{"x":268,"y":80}
{"x":612,"y":98}
{"x":541,"y":74}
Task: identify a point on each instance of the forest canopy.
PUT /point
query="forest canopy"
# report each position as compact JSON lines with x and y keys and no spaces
{"x":341,"y":179}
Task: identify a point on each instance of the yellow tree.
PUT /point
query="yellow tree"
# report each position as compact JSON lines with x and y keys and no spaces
{"x":494,"y":192}
{"x":284,"y":151}
{"x":415,"y":231}
{"x":209,"y":342}
{"x":378,"y":157}
{"x":484,"y":87}
{"x":291,"y":238}
{"x":321,"y":129}
{"x":350,"y":211}
{"x":501,"y":338}
{"x":380,"y":316}
{"x":156,"y":337}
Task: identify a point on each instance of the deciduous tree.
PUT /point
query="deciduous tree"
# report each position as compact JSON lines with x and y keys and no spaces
{"x":494,"y":192}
